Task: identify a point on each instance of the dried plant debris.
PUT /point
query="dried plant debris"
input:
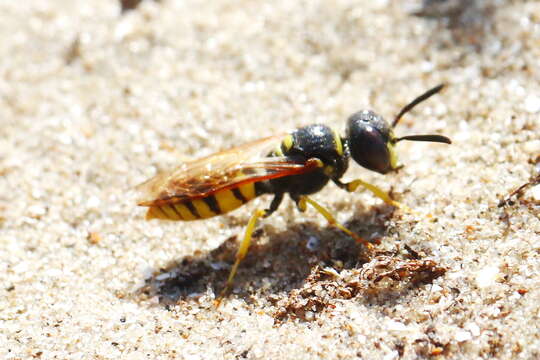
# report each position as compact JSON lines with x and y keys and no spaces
{"x":444,"y":8}
{"x":205,"y":273}
{"x":507,"y":203}
{"x":468,"y":20}
{"x":73,"y":52}
{"x":518,"y":193}
{"x":127,"y":5}
{"x":94,"y":237}
{"x":431,"y":347}
{"x":384,"y":275}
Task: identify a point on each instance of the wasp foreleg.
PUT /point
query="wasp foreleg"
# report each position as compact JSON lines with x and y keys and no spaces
{"x":381,"y":194}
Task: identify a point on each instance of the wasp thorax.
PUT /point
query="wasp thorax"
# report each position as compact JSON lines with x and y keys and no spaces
{"x":369,"y":140}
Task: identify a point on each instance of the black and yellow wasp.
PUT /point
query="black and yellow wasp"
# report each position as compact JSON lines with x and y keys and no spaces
{"x":299,"y":164}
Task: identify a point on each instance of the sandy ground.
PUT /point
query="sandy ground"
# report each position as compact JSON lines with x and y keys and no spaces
{"x":93,"y":102}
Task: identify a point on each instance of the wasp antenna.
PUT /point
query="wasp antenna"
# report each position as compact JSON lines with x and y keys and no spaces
{"x":430,"y":138}
{"x":417,"y":101}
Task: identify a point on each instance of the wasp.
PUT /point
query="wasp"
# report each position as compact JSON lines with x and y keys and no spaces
{"x":299,"y":163}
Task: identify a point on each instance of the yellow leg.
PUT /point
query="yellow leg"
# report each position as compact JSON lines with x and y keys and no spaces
{"x":381,"y":194}
{"x":242,"y":252}
{"x":331,"y":219}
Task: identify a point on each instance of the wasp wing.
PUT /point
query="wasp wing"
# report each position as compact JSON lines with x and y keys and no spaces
{"x":227,"y":169}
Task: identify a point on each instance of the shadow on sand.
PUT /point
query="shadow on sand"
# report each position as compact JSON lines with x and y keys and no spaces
{"x":278,"y":262}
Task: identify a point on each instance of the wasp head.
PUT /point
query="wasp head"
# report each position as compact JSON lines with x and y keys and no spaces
{"x":371,"y":139}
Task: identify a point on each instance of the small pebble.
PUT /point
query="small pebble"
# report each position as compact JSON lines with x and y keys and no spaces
{"x":535,"y":192}
{"x":487,"y":276}
{"x":532,"y":104}
{"x":463,"y":336}
{"x":532,"y":147}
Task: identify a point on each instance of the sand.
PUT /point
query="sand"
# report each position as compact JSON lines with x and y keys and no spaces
{"x":95,"y":101}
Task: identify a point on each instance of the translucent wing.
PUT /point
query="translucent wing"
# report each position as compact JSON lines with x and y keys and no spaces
{"x":227,"y":169}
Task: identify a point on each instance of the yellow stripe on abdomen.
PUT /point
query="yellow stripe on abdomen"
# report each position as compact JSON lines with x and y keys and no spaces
{"x":154,"y":212}
{"x":248,"y":191}
{"x":184,"y":212}
{"x":171,"y":213}
{"x":202,"y":209}
{"x":165,"y":212}
{"x":226,"y":200}
{"x":229,"y":200}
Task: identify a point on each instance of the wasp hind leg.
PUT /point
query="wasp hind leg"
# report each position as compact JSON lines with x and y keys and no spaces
{"x":302,"y":202}
{"x":242,"y":252}
{"x":381,"y":194}
{"x":246,"y":242}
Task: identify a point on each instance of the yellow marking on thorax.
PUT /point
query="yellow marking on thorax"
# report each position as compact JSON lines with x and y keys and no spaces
{"x":248,"y":190}
{"x":288,"y":142}
{"x":227,"y":201}
{"x":203,"y":209}
{"x":337,"y":140}
{"x":184,"y":212}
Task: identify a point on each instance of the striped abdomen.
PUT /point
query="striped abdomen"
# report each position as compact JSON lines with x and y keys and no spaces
{"x":215,"y":204}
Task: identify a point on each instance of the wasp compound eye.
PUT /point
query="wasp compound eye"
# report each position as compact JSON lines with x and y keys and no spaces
{"x":368,"y":138}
